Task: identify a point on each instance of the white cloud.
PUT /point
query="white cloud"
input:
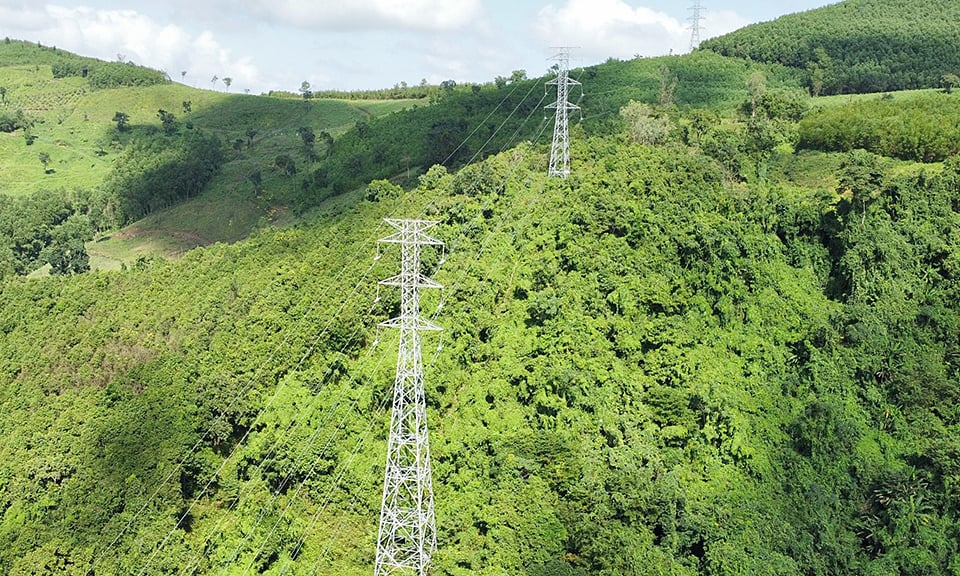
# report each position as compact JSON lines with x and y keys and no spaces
{"x":106,"y":34}
{"x":605,"y":28}
{"x":426,"y":15}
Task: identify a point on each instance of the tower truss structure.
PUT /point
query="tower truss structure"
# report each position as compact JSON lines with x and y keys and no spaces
{"x":560,"y":149}
{"x":407,"y":537}
{"x":696,"y":20}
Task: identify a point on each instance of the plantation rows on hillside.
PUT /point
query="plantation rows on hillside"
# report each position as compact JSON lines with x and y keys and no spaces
{"x":857,"y":46}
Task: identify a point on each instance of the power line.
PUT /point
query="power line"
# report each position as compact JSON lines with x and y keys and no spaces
{"x":696,"y":18}
{"x":407,"y":536}
{"x":560,"y":150}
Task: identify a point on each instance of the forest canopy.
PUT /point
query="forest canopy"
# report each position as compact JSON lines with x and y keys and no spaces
{"x":857,"y":46}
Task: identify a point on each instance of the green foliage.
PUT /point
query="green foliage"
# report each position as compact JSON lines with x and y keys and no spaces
{"x":122,"y":119}
{"x":167,"y":120}
{"x":13,"y":121}
{"x":856,"y":46}
{"x":48,"y":227}
{"x":155,"y":173}
{"x":923,"y":129}
{"x":676,"y":361}
{"x":644,"y":126}
{"x":106,"y":75}
{"x":646,"y":368}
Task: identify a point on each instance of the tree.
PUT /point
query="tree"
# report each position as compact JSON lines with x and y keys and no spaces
{"x":45,"y":160}
{"x":213,"y":81}
{"x":668,"y":88}
{"x":307,"y":135}
{"x":122,"y":120}
{"x":701,"y":121}
{"x":66,"y":252}
{"x":285,"y":164}
{"x":256,"y":178}
{"x":643,"y":125}
{"x":327,"y":140}
{"x":948,"y":81}
{"x":756,"y":86}
{"x":183,"y":75}
{"x":187,"y":106}
{"x":305,"y":90}
{"x":250,"y":134}
{"x":227,"y":82}
{"x":168,"y":120}
{"x":518,"y":76}
{"x":3,"y":94}
{"x":68,"y":256}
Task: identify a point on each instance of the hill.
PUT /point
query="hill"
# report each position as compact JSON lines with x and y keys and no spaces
{"x":60,"y":143}
{"x":641,"y":367}
{"x":234,"y":162}
{"x":857,"y":46}
{"x":706,"y":352}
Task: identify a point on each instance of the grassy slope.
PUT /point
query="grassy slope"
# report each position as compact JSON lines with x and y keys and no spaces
{"x":75,"y":127}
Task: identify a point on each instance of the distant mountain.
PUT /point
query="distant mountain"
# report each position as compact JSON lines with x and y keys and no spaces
{"x":858,"y":46}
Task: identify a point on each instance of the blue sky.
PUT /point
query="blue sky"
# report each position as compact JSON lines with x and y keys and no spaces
{"x":356,"y":44}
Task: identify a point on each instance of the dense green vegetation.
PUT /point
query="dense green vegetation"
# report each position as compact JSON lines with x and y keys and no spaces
{"x":857,"y":46}
{"x":923,"y":129}
{"x":703,"y":353}
{"x":469,"y":124}
{"x":645,"y":369}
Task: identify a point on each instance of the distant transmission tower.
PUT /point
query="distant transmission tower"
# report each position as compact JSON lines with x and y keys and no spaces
{"x":696,"y":18}
{"x":560,"y":151}
{"x":407,"y":536}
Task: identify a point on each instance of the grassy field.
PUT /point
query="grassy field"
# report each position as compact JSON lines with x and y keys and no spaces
{"x":844,"y":99}
{"x":74,"y":126}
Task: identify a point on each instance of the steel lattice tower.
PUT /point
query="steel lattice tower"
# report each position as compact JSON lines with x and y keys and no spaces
{"x":560,"y":150}
{"x":695,"y":19}
{"x":407,"y":536}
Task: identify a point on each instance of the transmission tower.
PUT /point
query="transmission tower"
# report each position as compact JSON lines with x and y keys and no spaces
{"x":407,"y":536}
{"x":560,"y":150}
{"x":695,"y":20}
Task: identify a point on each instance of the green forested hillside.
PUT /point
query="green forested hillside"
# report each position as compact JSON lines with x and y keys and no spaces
{"x":703,"y":353}
{"x":857,"y":46}
{"x":656,"y":366}
{"x":923,"y":128}
{"x":472,"y":122}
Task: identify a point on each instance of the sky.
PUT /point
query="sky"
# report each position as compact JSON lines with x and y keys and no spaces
{"x":268,"y":45}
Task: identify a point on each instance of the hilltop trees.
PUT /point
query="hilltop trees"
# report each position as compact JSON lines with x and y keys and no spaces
{"x":859,"y":45}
